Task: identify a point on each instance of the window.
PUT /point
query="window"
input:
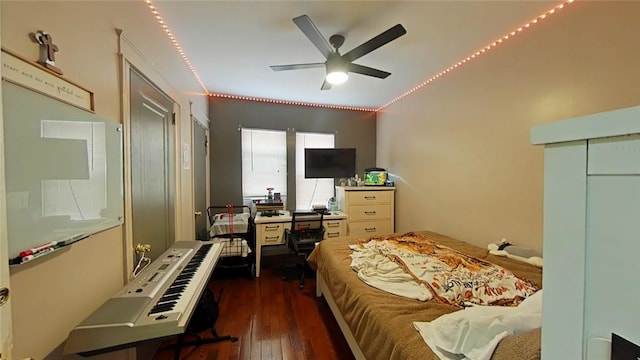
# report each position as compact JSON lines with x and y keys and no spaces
{"x":264,"y":163}
{"x":312,"y":191}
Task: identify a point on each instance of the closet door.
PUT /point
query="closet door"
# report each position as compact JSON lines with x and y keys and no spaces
{"x":613,"y":248}
{"x":613,"y":239}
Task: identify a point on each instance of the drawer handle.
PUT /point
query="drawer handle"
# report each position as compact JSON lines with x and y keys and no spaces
{"x":272,"y":227}
{"x":372,"y":197}
{"x":333,"y":224}
{"x":333,"y":234}
{"x":267,"y":238}
{"x":373,"y":229}
{"x":370,"y":212}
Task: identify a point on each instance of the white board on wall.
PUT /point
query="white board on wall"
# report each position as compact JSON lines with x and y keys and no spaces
{"x":63,"y":170}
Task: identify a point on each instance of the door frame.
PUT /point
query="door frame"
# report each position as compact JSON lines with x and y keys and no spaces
{"x":126,"y":66}
{"x":202,"y":121}
{"x":6,"y":332}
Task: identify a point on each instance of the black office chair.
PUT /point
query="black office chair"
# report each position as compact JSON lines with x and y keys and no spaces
{"x":306,"y":230}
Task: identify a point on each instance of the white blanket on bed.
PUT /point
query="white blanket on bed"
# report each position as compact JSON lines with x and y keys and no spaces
{"x":382,"y":273}
{"x":474,"y":333}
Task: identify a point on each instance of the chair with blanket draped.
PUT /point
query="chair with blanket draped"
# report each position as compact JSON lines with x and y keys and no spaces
{"x":306,"y":230}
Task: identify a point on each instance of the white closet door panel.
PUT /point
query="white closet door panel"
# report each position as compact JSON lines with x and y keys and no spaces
{"x":565,"y":182}
{"x":618,"y":155}
{"x":612,"y":268}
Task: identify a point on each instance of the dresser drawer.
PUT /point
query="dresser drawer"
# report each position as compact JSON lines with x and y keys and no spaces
{"x":272,"y":234}
{"x":370,"y":228}
{"x":370,"y":197}
{"x":334,"y":228}
{"x":369,"y":212}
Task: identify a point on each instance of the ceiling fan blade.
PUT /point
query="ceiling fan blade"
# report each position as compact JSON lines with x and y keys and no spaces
{"x":296,"y":66}
{"x":325,"y":85}
{"x":382,"y":39}
{"x":311,"y":31}
{"x":365,"y":70}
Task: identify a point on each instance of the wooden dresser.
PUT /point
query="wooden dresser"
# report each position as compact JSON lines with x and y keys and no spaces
{"x":370,"y":210}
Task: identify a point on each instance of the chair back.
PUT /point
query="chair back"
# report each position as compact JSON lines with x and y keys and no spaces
{"x":307,"y":226}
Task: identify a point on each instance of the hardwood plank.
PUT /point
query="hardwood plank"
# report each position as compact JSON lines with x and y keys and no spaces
{"x":272,"y":319}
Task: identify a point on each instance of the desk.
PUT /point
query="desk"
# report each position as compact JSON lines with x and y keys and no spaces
{"x":270,"y":230}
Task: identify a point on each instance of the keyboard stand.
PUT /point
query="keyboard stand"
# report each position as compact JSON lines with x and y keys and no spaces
{"x":180,"y":343}
{"x":197,"y":342}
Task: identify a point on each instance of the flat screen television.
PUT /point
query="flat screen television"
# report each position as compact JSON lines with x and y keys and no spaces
{"x":329,"y":163}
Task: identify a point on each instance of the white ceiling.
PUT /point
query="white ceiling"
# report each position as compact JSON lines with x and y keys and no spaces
{"x":232,"y":43}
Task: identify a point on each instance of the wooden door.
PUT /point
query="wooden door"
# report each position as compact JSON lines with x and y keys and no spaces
{"x":152,"y":166}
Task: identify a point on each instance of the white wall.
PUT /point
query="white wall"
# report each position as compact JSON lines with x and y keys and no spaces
{"x":55,"y":294}
{"x":465,"y":166}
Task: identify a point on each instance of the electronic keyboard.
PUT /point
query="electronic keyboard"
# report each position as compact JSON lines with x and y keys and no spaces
{"x":157,"y":303}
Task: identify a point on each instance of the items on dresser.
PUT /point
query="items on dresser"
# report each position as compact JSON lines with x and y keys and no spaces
{"x":375,"y":177}
{"x":370,"y":210}
{"x":270,"y":230}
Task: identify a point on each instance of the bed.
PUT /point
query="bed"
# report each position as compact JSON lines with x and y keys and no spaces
{"x":378,"y":325}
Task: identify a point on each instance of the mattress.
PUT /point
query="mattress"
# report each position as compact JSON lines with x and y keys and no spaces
{"x":382,"y":323}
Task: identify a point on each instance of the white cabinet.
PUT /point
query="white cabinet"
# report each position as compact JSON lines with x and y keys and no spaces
{"x":591,"y":227}
{"x":370,"y":210}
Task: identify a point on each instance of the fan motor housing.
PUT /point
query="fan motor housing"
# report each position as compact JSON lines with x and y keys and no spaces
{"x":336,"y":41}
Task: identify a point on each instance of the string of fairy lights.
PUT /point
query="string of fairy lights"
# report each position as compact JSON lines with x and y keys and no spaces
{"x":491,"y":46}
{"x":175,"y":43}
{"x":430,"y":80}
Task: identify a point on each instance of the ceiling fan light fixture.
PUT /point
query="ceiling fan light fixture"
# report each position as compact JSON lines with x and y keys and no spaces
{"x":338,"y":66}
{"x":336,"y":70}
{"x":337,"y":77}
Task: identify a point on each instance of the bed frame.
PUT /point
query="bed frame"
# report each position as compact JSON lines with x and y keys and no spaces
{"x":391,"y":315}
{"x":322,"y":290}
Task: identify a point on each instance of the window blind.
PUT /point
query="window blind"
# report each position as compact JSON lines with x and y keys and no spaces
{"x":264,"y":163}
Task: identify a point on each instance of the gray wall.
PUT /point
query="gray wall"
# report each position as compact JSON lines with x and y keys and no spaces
{"x":352,"y":129}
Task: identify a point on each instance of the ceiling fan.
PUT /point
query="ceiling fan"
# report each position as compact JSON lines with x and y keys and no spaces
{"x":338,"y":65}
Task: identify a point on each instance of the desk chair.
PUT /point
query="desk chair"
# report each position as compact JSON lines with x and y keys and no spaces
{"x":306,"y":230}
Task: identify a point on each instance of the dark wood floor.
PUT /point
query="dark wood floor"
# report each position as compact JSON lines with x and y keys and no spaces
{"x":272,"y":319}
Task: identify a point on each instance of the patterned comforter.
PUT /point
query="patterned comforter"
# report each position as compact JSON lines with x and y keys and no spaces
{"x":452,"y":277}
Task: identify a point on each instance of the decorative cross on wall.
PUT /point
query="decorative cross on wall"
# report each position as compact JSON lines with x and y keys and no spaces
{"x":47,"y":50}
